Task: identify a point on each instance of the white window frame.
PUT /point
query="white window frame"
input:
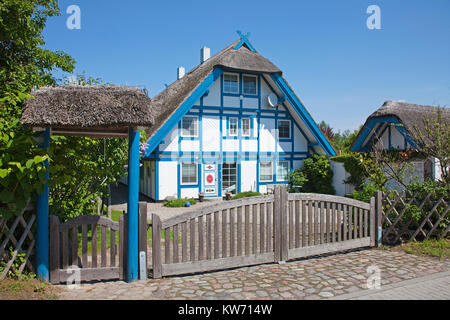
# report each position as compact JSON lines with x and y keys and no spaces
{"x":288,"y":168}
{"x":183,"y":132}
{"x":256,"y":84}
{"x":223,"y":84}
{"x":249,"y":127}
{"x":196,"y":174}
{"x":237,"y":127}
{"x":271,"y":171}
{"x":278,"y":126}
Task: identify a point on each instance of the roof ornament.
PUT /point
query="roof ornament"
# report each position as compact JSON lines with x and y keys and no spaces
{"x":244,"y":39}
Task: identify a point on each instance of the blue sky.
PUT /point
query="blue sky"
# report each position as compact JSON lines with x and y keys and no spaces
{"x":341,"y":70}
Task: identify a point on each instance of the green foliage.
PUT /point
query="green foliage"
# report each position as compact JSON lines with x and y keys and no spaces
{"x":179,"y":203}
{"x":353,"y":165}
{"x":436,"y":248}
{"x":24,"y":64}
{"x":296,"y":180}
{"x":13,"y":272}
{"x":365,"y":192}
{"x":81,"y":170}
{"x":318,"y":174}
{"x":246,"y":194}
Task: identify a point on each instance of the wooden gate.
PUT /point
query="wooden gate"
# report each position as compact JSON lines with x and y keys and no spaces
{"x":259,"y":230}
{"x":98,"y":235}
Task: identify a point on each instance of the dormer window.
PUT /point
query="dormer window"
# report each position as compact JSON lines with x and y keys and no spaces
{"x":249,"y":82}
{"x":230,"y":83}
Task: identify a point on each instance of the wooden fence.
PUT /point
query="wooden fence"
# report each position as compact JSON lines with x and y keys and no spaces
{"x":410,"y":216}
{"x":259,"y":230}
{"x":17,"y":243}
{"x":97,"y":234}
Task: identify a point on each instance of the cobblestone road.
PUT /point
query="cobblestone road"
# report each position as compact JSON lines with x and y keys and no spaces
{"x":323,"y":277}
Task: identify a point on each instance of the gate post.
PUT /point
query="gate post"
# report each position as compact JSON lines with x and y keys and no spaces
{"x":54,"y":249}
{"x":372,"y":222}
{"x":143,"y":240}
{"x":379,"y":216}
{"x":280,"y":224}
{"x":156,"y":246}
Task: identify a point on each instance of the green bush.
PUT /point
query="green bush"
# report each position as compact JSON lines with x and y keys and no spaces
{"x":318,"y":174}
{"x":353,"y":165}
{"x":296,"y":180}
{"x":179,"y":203}
{"x":246,"y":194}
{"x":366,"y":192}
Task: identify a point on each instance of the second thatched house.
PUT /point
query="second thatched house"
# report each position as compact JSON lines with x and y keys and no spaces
{"x":394,"y":126}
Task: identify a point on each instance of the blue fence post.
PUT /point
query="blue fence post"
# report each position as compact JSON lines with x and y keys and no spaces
{"x":133,"y":205}
{"x":42,"y":239}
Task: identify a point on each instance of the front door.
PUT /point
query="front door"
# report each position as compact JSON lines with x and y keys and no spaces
{"x":229,"y":177}
{"x":210,"y":180}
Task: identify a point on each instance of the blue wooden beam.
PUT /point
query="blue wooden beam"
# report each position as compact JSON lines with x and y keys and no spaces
{"x":133,"y":205}
{"x":42,"y":238}
{"x":244,"y":40}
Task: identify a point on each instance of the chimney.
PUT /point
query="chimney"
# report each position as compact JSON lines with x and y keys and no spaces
{"x":205,"y":53}
{"x":180,"y":73}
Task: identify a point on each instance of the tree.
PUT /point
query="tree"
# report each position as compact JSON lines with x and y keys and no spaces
{"x":24,"y":64}
{"x":434,"y":140}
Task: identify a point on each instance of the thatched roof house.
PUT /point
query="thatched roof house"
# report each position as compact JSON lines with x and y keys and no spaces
{"x":405,"y":117}
{"x":108,"y":110}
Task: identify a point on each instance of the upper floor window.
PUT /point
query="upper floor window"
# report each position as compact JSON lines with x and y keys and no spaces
{"x":230,"y":83}
{"x":233,"y":127}
{"x":284,"y":129}
{"x":189,"y":126}
{"x":249,"y":84}
{"x":246,"y":127}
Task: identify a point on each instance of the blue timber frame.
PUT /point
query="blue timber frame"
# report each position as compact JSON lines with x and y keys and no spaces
{"x":359,"y":144}
{"x":189,"y":107}
{"x":42,"y":211}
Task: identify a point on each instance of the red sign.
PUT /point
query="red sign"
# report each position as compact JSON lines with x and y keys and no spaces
{"x":209,"y":178}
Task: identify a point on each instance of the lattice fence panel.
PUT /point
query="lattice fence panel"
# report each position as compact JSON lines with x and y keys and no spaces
{"x":17,"y":243}
{"x":407,"y":216}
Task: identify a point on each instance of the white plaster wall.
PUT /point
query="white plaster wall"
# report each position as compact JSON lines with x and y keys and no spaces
{"x":397,"y":139}
{"x":231,"y":102}
{"x":297,"y":164}
{"x":300,"y":143}
{"x":213,"y":98}
{"x":170,"y":141}
{"x":211,"y":133}
{"x":230,"y":145}
{"x":248,"y":175}
{"x":339,"y":176}
{"x":250,"y":103}
{"x":190,"y":145}
{"x":265,"y":91}
{"x":267,"y":138}
{"x":167,"y":183}
{"x":189,"y":192}
{"x":284,"y":146}
{"x":249,"y":145}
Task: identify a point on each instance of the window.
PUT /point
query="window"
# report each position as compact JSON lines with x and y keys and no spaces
{"x":246,"y":127}
{"x":189,"y":127}
{"x":229,"y":177}
{"x":284,"y":129}
{"x":230,"y":83}
{"x":282,"y":170}
{"x":188,"y":173}
{"x":265,"y":171}
{"x":233,"y":127}
{"x":249,"y":84}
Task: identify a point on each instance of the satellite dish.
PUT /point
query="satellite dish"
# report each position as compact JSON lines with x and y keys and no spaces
{"x":272,"y":99}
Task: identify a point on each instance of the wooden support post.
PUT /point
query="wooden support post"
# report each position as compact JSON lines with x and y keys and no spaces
{"x":132,"y":206}
{"x":280,"y":224}
{"x":372,"y":214}
{"x":156,"y":246}
{"x":379,"y":216}
{"x":143,"y":240}
{"x":42,"y":243}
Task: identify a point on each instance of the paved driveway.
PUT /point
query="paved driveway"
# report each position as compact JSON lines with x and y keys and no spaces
{"x":323,"y":277}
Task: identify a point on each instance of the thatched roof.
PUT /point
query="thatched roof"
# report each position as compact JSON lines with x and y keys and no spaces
{"x":97,"y":108}
{"x":168,"y":101}
{"x":411,"y":116}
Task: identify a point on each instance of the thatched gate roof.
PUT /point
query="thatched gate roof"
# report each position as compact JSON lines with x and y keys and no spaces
{"x":107,"y":109}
